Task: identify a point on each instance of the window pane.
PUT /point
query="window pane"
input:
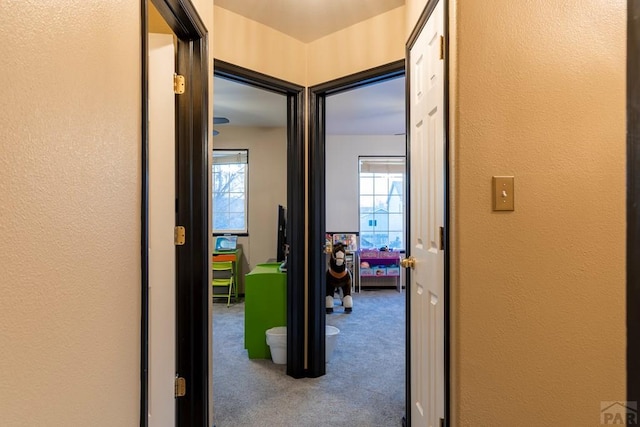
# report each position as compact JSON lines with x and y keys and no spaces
{"x":220,"y":220}
{"x":366,"y":223}
{"x":396,"y":204}
{"x":366,"y":240}
{"x":381,"y":184}
{"x":221,"y":202}
{"x":381,"y":200}
{"x":235,"y":168}
{"x":376,"y":220}
{"x":396,"y":186}
{"x":236,"y":204}
{"x":237,"y":183}
{"x":366,"y":185}
{"x":395,"y":240}
{"x":220,"y":180}
{"x":379,"y":240}
{"x":396,"y":222}
{"x":236,"y":222}
{"x":366,"y":204}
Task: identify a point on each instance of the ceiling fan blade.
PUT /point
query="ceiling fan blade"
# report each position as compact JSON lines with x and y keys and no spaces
{"x":220,"y":120}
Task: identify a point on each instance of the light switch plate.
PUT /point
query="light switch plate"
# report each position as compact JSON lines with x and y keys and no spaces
{"x":503,"y":193}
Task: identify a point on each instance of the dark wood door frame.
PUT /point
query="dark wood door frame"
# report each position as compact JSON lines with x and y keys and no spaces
{"x":633,"y":200}
{"x":192,"y":258}
{"x":317,"y":202}
{"x":295,"y":203}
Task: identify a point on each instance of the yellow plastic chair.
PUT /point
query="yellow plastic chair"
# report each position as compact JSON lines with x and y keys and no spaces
{"x":223,"y":278}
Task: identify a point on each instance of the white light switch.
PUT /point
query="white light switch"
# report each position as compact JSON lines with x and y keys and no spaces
{"x":503,"y":193}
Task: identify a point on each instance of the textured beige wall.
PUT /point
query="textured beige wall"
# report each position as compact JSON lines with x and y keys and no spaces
{"x":538,"y":293}
{"x":252,"y":45}
{"x":70,"y":179}
{"x":249,"y":44}
{"x":413,"y":10}
{"x":70,"y":176}
{"x":368,"y":44}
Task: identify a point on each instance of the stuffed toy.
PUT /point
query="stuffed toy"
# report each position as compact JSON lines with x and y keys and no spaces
{"x":339,"y":278}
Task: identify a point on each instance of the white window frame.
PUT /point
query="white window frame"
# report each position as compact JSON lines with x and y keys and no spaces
{"x":225,"y":158}
{"x":381,"y":168}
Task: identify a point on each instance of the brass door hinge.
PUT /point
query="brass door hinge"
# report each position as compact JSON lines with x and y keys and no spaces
{"x":441,"y":47}
{"x":442,"y":238}
{"x":179,"y":235}
{"x":178,"y":84}
{"x":180,"y":387}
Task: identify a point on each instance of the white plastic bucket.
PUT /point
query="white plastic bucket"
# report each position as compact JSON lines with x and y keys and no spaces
{"x":331,"y":339}
{"x":277,"y":341}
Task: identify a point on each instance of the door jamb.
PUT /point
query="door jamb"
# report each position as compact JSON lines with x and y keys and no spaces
{"x":317,"y":202}
{"x":192,"y":259}
{"x":295,"y":202}
{"x":633,"y":198}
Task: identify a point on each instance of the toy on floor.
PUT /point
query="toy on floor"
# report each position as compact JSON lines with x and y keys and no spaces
{"x":338,"y":279}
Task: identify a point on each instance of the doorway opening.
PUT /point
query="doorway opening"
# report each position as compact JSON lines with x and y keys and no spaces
{"x":293,"y":199}
{"x":365,"y":150}
{"x":261,"y":117}
{"x":319,"y":191}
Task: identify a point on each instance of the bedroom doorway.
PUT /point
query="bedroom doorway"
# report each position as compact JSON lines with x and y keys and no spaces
{"x":292,"y":168}
{"x":335,"y":192}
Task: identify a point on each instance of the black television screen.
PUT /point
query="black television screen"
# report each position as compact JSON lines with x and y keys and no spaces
{"x":282,"y":233}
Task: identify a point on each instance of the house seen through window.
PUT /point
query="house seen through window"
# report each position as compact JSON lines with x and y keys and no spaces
{"x":230,"y":188}
{"x":382,"y":202}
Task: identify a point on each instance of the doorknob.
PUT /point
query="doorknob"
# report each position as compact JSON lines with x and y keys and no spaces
{"x":408,"y":262}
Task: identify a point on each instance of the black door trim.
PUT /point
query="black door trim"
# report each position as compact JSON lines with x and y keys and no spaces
{"x":633,"y":199}
{"x":317,"y":202}
{"x":192,"y":259}
{"x":295,"y":202}
{"x":144,"y":208}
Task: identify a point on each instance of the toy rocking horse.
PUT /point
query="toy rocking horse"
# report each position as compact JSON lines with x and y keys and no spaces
{"x":338,"y":279}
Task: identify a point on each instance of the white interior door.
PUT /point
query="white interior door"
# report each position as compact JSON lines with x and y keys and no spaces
{"x":162,"y":214}
{"x":427,"y":217}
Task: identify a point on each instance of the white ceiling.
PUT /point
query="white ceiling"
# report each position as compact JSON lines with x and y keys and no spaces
{"x":377,"y":109}
{"x":308,"y":20}
{"x":246,"y":105}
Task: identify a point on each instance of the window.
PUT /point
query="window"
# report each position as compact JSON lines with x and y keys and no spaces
{"x":230,"y":184}
{"x":382,"y":202}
